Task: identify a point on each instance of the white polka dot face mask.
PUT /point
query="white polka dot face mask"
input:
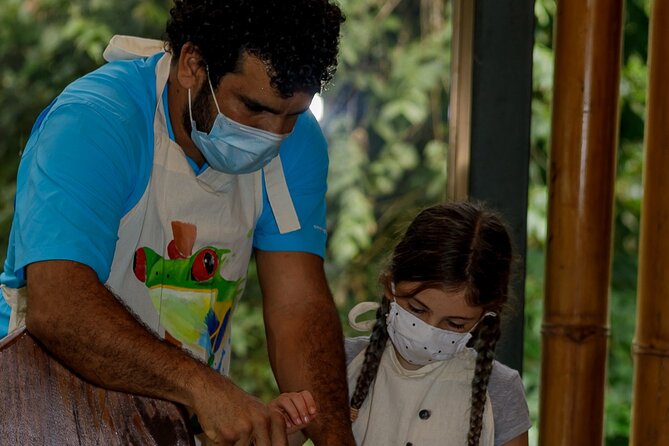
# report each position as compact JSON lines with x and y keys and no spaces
{"x":419,"y":342}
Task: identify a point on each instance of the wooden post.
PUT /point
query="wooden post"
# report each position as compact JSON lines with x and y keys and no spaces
{"x":501,"y":99}
{"x":650,"y":408}
{"x":489,"y":125}
{"x":462,"y":54}
{"x":588,"y":41}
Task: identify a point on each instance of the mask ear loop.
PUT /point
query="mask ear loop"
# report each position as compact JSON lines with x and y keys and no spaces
{"x":211,"y":87}
{"x":359,"y":309}
{"x":190,"y":111}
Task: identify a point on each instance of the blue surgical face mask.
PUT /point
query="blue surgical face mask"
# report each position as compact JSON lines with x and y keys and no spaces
{"x":232,"y":147}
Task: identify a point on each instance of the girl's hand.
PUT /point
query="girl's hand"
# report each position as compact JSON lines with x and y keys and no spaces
{"x":297,"y":408}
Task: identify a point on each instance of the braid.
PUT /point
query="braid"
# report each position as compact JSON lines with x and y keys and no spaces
{"x":373,"y":353}
{"x":488,"y":334}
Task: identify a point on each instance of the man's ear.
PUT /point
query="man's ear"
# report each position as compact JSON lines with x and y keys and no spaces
{"x":191,"y":72}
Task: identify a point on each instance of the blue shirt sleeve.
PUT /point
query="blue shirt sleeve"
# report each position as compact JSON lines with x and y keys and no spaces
{"x":75,"y":180}
{"x":86,"y":164}
{"x":304,"y":157}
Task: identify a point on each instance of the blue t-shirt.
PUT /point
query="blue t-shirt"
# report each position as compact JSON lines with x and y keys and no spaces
{"x":88,"y":162}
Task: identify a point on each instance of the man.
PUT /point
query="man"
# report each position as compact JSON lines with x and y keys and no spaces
{"x":145,"y":187}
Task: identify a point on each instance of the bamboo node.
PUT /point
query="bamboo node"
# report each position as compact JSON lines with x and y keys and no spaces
{"x":649,"y":350}
{"x":576,"y":333}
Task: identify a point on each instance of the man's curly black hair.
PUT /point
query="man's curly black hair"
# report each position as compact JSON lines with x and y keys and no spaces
{"x":297,"y":39}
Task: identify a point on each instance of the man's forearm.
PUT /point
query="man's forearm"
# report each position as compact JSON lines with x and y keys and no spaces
{"x":304,"y":339}
{"x":84,"y":325}
{"x":308,"y":354}
{"x":326,"y":372}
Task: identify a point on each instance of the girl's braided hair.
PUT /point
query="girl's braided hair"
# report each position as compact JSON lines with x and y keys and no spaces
{"x":453,"y":247}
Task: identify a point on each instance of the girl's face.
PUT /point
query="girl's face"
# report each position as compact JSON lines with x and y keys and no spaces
{"x":447,"y":310}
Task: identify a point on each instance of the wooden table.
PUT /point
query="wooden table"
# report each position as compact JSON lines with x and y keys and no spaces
{"x":44,"y":403}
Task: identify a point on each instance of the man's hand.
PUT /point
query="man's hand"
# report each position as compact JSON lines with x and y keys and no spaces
{"x":297,"y":408}
{"x":229,"y":416}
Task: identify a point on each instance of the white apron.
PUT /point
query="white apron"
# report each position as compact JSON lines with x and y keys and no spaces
{"x":183,"y":250}
{"x":425,"y":407}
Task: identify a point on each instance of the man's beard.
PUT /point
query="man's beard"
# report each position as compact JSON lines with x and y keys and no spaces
{"x":201,"y":108}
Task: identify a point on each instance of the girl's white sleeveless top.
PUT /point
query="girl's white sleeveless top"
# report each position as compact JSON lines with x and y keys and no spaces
{"x":428,"y":406}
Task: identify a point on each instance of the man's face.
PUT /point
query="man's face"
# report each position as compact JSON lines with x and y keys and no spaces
{"x":247,"y":97}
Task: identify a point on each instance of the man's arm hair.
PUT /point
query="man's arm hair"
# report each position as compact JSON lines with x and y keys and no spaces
{"x":304,"y":339}
{"x":85,"y":326}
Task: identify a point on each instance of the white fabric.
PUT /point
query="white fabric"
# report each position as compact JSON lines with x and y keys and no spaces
{"x":359,"y":309}
{"x":17,"y":299}
{"x":128,"y":48}
{"x":391,"y":412}
{"x":419,"y":342}
{"x":279,"y":197}
{"x":224,"y":209}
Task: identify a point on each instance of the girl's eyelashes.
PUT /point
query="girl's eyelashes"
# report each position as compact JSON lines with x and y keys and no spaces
{"x":456,"y":326}
{"x":449,"y":324}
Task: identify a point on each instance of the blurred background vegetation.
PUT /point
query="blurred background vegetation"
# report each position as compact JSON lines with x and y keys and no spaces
{"x":386,"y":119}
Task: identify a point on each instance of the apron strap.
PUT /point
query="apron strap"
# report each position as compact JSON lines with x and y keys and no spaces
{"x":279,"y":197}
{"x":17,"y":299}
{"x":128,"y":48}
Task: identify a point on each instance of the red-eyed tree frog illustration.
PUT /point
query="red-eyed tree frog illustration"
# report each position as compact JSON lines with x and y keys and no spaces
{"x":193,"y":299}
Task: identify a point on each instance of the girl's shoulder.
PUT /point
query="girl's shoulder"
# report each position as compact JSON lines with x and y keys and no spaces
{"x":505,"y":386}
{"x":503,"y":375}
{"x":509,"y":406}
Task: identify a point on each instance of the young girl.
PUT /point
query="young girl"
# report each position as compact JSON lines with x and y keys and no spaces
{"x":415,"y":381}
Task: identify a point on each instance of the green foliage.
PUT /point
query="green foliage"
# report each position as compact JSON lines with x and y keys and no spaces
{"x":385,"y":118}
{"x":44,"y":45}
{"x":533,"y":320}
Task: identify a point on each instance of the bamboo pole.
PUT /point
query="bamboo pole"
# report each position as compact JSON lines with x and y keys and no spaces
{"x":588,"y":41}
{"x":462,"y":54}
{"x":650,"y":408}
